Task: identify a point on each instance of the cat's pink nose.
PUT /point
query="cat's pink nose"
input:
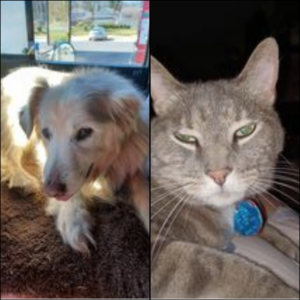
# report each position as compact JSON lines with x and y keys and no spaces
{"x":219,"y":176}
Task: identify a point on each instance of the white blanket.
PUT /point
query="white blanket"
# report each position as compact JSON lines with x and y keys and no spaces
{"x":258,"y":250}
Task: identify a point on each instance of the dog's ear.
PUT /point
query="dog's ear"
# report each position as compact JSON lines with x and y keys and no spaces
{"x":128,"y":116}
{"x":29,"y":111}
{"x":120,"y":109}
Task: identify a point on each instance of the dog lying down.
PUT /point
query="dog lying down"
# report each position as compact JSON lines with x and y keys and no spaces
{"x":86,"y":134}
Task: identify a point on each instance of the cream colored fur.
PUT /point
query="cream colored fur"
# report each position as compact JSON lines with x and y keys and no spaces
{"x":16,"y":92}
{"x":64,"y":103}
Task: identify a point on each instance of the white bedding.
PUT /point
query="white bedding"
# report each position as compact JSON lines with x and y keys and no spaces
{"x":258,"y":250}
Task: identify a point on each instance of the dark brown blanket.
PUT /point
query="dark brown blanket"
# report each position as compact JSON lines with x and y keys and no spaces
{"x":34,"y":261}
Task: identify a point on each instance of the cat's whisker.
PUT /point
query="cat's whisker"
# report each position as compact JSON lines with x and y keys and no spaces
{"x":167,"y":193}
{"x":163,"y":227}
{"x":287,"y":179}
{"x":283,"y":170}
{"x":183,"y":201}
{"x":278,"y":200}
{"x":286,"y":160}
{"x":167,"y":204}
{"x":268,"y":181}
{"x":176,"y":163}
{"x":164,"y":187}
{"x":286,"y":174}
{"x":164,"y":196}
{"x":283,"y":163}
{"x":284,"y":167}
{"x":287,"y":167}
{"x":281,"y":166}
{"x":286,"y":195}
{"x":272,"y":179}
{"x":261,"y":191}
{"x":264,"y":198}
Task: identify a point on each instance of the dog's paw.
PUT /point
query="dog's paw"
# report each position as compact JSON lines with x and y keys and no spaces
{"x":74,"y":228}
{"x":53,"y":207}
{"x":21,"y":180}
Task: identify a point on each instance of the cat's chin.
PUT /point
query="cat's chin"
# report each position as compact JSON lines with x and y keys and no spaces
{"x":223,"y":199}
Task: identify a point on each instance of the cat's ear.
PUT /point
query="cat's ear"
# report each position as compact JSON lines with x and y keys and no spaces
{"x":163,"y":86}
{"x":261,"y":72}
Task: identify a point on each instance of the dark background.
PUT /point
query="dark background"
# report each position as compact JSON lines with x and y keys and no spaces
{"x":213,"y":39}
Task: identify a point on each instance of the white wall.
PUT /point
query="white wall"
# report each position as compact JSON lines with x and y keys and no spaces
{"x":13,"y":27}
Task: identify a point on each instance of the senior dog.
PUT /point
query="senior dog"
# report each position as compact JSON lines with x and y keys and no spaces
{"x":87,"y":135}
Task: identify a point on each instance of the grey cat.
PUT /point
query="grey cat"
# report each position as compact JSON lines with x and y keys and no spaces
{"x":212,"y":145}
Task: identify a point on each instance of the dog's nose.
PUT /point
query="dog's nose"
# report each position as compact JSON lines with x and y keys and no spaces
{"x":55,"y":189}
{"x":219,"y":176}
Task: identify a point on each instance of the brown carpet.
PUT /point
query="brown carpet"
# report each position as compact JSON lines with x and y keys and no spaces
{"x":34,"y":261}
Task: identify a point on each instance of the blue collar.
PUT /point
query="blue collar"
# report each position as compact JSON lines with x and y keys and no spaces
{"x":248,"y":217}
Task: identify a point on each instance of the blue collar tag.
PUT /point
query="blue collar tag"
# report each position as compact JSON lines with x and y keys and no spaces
{"x":248,"y":218}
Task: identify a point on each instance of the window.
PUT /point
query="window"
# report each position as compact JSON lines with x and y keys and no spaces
{"x":13,"y":29}
{"x":113,"y":33}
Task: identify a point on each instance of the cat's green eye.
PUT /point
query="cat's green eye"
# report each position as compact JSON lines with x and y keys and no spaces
{"x":245,"y":131}
{"x":185,"y":138}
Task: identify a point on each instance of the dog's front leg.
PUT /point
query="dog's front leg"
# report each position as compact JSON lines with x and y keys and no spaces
{"x":73,"y":221}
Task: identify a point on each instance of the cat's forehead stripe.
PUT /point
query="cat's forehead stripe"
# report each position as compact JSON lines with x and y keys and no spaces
{"x":244,"y":115}
{"x":214,"y":112}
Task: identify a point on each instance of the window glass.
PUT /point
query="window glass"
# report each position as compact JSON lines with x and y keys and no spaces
{"x":100,"y":32}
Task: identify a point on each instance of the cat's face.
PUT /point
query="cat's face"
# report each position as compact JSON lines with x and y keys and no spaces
{"x":217,"y":141}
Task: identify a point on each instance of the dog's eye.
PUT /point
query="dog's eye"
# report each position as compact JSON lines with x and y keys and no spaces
{"x":46,"y":133}
{"x":83,"y":134}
